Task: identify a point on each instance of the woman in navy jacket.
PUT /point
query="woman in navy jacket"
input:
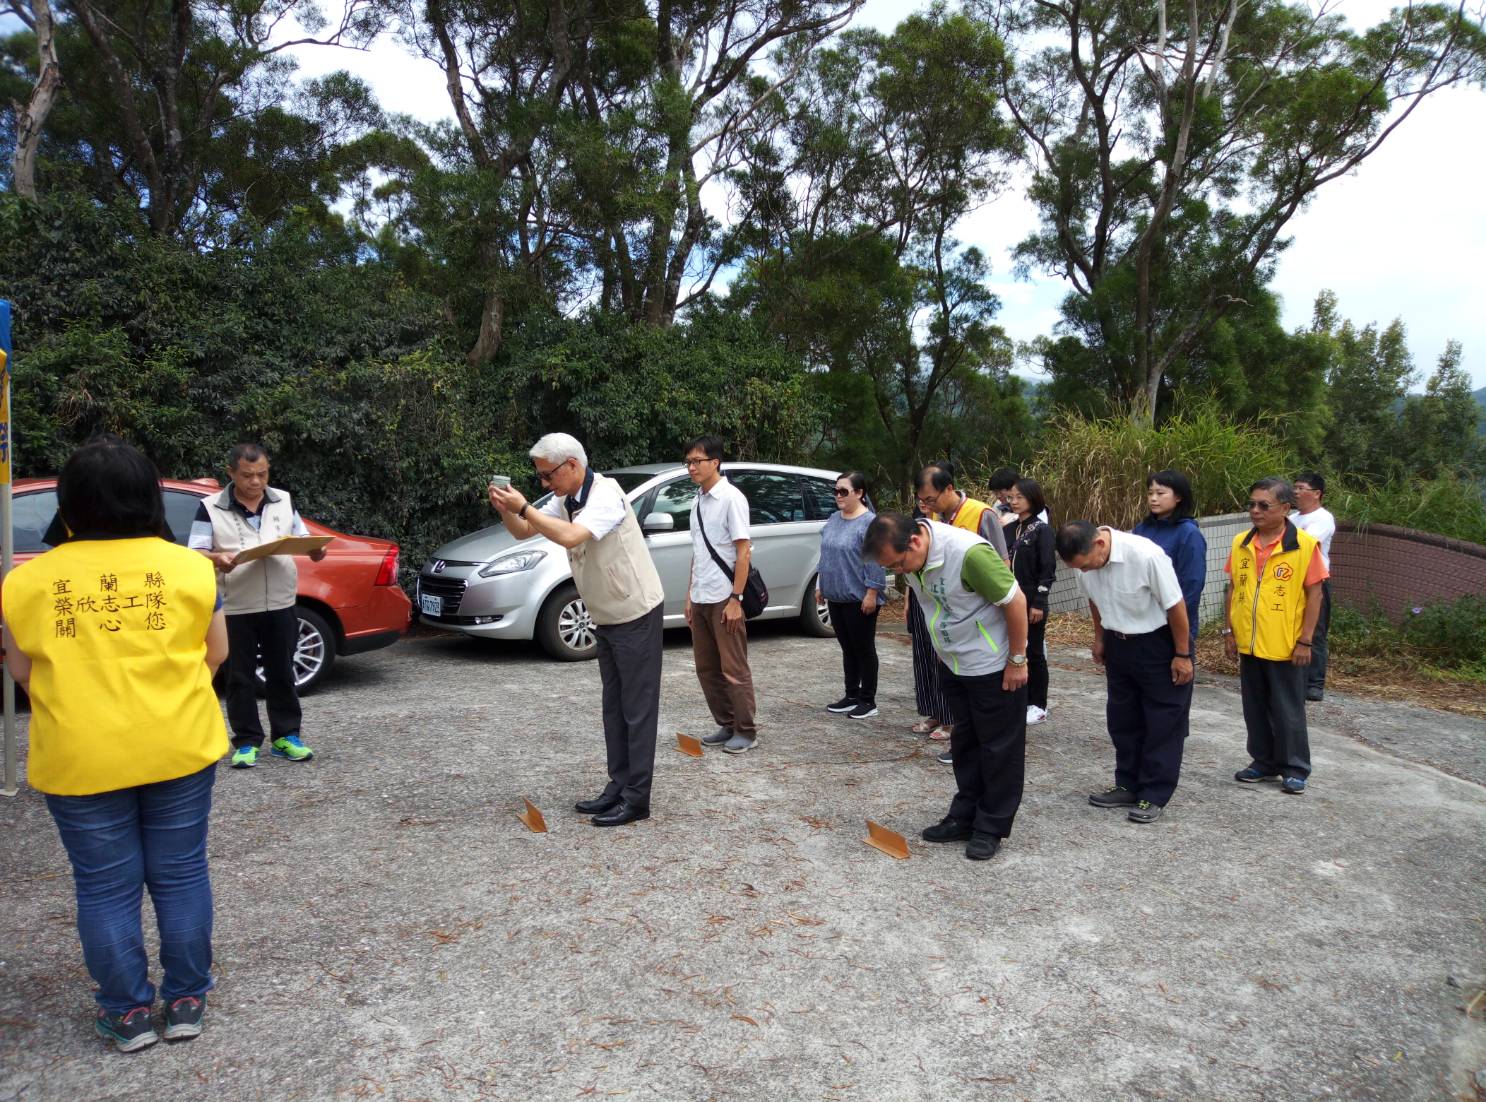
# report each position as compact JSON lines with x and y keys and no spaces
{"x":1172,"y":526}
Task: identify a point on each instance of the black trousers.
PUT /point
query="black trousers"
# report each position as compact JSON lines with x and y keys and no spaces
{"x":629,"y":667}
{"x":857,"y":634}
{"x":1147,"y":715}
{"x":989,"y":747}
{"x":1037,"y":663}
{"x":1316,"y":671}
{"x":1274,"y":713}
{"x":269,"y":637}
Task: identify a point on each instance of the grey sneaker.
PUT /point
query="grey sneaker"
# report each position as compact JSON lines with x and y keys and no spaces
{"x":1115,"y":797}
{"x":1145,"y":812}
{"x":183,"y":1018}
{"x":945,"y":758}
{"x":739,"y":745}
{"x":717,"y":737}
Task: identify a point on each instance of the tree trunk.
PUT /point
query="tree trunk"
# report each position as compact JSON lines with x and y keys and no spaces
{"x":492,"y":320}
{"x":31,"y":119}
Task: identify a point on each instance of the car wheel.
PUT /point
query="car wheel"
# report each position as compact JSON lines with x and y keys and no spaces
{"x":815,"y":616}
{"x":565,"y":629}
{"x":314,"y":652}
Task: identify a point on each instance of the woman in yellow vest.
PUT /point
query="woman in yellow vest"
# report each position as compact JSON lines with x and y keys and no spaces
{"x":116,"y":635}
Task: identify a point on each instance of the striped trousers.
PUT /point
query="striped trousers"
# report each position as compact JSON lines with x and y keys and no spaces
{"x":926,"y":690}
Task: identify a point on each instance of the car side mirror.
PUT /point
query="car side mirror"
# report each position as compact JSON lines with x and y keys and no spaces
{"x":658,"y":522}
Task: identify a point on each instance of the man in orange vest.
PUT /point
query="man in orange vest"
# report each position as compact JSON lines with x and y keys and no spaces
{"x":937,"y":495}
{"x":1274,"y":600}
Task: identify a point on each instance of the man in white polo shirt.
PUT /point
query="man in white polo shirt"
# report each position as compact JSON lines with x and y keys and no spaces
{"x":589,"y":515}
{"x":714,"y":602}
{"x":1315,"y":518}
{"x":1141,"y":640}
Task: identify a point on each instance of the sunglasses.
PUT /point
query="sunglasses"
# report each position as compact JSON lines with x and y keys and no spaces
{"x":841,"y":492}
{"x":1262,"y":506}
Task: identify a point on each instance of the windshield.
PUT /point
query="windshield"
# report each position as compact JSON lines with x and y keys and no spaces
{"x":630,"y":480}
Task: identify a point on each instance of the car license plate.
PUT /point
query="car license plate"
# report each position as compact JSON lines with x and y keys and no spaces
{"x":432,"y":606}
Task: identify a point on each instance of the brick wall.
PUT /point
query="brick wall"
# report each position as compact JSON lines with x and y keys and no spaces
{"x":1397,"y":568}
{"x":1394,"y":568}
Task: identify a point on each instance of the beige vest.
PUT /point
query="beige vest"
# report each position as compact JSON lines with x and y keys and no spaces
{"x":269,"y":583}
{"x":615,"y":575}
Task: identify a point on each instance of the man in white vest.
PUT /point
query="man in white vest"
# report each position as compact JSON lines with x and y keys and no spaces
{"x":977,"y":621}
{"x":589,"y":515}
{"x":258,"y":598}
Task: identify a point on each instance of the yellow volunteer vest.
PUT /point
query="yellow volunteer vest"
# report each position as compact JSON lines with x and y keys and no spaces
{"x":969,"y":515}
{"x":1267,"y":609}
{"x":120,"y":692}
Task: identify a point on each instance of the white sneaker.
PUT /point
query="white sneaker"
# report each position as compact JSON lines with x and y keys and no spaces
{"x":1035,"y":714}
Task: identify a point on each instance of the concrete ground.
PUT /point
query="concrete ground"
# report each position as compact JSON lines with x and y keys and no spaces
{"x":387,"y":929}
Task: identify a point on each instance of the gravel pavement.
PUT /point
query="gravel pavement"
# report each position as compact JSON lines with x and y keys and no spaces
{"x":387,"y":928}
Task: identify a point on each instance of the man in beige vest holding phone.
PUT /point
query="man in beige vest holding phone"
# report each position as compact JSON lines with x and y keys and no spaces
{"x":589,"y":515}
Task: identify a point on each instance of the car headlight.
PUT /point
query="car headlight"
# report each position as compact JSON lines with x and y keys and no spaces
{"x":512,"y":564}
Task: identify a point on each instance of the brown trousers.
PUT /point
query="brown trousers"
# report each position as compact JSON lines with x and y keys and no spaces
{"x":721,"y":658}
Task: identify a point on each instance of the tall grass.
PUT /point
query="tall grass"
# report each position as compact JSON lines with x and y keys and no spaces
{"x":1095,"y":469}
{"x":1449,"y":506}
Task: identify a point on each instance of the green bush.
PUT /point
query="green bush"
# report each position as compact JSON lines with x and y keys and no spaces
{"x":1449,"y":636}
{"x":1095,"y":468}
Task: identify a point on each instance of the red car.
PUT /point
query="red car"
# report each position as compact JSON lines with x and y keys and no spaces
{"x":348,"y":603}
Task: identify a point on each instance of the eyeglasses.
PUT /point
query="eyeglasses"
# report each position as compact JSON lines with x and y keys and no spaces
{"x":927,"y":502}
{"x":841,"y":492}
{"x":691,"y":462}
{"x":545,"y":477}
{"x":1262,"y":506}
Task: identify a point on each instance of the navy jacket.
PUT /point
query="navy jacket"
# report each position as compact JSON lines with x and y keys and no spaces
{"x":1186,"y":547}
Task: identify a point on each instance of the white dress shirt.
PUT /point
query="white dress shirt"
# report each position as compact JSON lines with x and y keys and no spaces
{"x":600,"y":514}
{"x":1320,"y":523}
{"x":1135,"y":588}
{"x":724,"y":510}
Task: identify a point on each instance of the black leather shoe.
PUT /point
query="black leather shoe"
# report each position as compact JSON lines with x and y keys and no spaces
{"x":947,"y":830}
{"x":596,"y":806}
{"x":983,"y":846}
{"x":624,"y":812}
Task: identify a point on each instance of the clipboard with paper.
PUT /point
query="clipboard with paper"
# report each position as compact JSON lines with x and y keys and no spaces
{"x":285,"y":545}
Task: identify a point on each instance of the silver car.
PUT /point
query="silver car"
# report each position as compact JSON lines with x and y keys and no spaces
{"x":488,"y":583}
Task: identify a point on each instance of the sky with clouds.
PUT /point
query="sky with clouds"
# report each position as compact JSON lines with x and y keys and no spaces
{"x":1403,"y":237}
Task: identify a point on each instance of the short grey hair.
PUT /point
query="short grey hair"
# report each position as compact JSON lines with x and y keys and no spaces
{"x":559,"y":447}
{"x":1282,"y":489}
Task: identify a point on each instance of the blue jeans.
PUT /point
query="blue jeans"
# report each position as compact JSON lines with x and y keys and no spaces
{"x":119,"y":843}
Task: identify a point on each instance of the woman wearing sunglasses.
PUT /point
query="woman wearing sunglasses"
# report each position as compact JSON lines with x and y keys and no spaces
{"x":854,"y":590}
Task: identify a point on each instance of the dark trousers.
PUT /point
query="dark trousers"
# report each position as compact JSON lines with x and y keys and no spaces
{"x":1037,"y":663}
{"x":857,"y":634}
{"x":270,"y":638}
{"x":629,"y":667}
{"x":989,"y":748}
{"x":1316,"y":671}
{"x":927,"y":693}
{"x":1274,"y":713}
{"x":1146,"y":713}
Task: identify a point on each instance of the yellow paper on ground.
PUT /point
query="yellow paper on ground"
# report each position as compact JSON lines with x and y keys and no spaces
{"x":287,"y":545}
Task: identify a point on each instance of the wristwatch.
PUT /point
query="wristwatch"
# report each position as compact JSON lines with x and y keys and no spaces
{"x":1018,"y":659}
{"x":736,"y":597}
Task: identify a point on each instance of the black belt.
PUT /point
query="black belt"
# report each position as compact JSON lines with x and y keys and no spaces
{"x":1127,"y":635}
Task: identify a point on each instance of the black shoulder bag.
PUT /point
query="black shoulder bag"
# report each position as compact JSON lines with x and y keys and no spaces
{"x":755,"y":592}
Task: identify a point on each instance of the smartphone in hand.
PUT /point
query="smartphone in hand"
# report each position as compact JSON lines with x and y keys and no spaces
{"x":500,"y":481}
